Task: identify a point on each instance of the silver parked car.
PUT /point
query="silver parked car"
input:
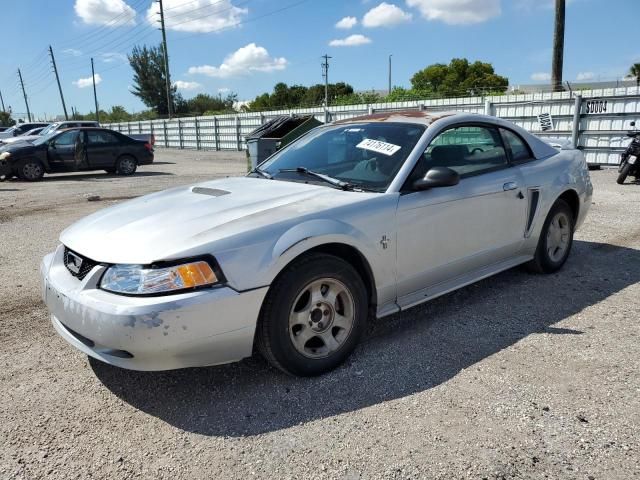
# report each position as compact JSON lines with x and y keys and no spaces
{"x":368,"y":216}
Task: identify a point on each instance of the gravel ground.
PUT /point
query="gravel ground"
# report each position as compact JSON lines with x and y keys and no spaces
{"x":517,"y":376}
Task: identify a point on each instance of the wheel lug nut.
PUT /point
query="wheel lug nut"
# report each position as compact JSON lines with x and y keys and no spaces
{"x":326,"y":313}
{"x":320,"y":325}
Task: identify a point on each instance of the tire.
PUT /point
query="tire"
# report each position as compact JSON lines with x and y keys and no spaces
{"x":556,"y":239}
{"x":624,"y":172}
{"x":126,"y":165}
{"x":306,"y":336}
{"x":30,"y":170}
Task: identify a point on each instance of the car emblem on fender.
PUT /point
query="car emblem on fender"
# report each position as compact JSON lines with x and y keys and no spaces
{"x":74,"y":262}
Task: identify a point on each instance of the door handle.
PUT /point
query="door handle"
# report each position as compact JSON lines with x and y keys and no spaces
{"x":509,"y":186}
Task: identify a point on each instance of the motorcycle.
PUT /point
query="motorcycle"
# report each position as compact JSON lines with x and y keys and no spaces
{"x":629,"y":163}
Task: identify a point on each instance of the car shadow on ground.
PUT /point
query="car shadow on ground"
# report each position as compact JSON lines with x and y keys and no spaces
{"x":89,"y":176}
{"x":403,"y":354}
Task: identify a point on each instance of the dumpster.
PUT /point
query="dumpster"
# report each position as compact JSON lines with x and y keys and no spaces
{"x":265,"y":140}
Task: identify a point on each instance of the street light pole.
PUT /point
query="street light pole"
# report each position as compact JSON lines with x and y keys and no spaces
{"x":390,"y":73}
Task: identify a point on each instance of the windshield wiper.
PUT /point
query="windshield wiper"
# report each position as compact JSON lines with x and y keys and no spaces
{"x":320,"y":176}
{"x":262,"y":173}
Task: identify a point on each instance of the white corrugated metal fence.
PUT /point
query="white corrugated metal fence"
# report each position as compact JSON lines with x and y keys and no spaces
{"x":603,"y":118}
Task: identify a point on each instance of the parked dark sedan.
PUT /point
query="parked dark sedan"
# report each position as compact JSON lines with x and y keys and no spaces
{"x":76,"y":149}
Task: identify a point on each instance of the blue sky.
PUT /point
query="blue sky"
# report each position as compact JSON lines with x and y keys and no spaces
{"x":246,"y":46}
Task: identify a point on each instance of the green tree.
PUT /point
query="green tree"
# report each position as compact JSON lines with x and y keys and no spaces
{"x":6,"y":120}
{"x":118,"y":114}
{"x":458,"y":78}
{"x":634,"y":71}
{"x":285,"y":96}
{"x":149,"y":79}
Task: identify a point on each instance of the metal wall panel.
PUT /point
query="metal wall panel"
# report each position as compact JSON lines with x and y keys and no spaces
{"x":605,"y":116}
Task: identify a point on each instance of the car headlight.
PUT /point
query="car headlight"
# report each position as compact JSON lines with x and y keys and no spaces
{"x":4,"y":155}
{"x":142,"y":280}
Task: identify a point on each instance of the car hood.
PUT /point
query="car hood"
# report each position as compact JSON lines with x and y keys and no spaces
{"x":20,"y":148}
{"x":184,"y":221}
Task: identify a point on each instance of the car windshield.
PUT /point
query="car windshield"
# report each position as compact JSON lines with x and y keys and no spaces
{"x":43,"y":138}
{"x":364,"y":155}
{"x":49,"y":129}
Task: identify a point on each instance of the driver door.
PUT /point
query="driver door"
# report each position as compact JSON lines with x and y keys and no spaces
{"x":448,"y":236}
{"x":62,"y":151}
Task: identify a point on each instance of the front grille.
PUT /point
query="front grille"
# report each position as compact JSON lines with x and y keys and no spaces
{"x":77,"y":265}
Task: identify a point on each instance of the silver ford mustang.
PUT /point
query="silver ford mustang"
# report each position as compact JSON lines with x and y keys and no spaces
{"x":363,"y":217}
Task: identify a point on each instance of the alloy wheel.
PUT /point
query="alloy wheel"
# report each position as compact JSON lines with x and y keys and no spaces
{"x":321,"y":318}
{"x":558,"y":236}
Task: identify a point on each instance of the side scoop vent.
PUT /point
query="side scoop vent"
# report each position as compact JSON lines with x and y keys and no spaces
{"x":212,"y":192}
{"x":534,"y":199}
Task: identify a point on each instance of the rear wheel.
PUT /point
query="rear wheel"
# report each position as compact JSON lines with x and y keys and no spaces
{"x":30,"y":170}
{"x":624,"y":173}
{"x":126,"y":165}
{"x":313,"y":316}
{"x":556,"y":239}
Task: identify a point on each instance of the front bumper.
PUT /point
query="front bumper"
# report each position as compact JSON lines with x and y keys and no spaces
{"x":205,"y":327}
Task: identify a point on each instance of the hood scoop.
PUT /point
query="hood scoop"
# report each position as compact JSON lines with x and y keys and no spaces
{"x":212,"y":192}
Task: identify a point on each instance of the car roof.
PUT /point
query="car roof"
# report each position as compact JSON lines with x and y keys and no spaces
{"x":404,"y":116}
{"x":446,"y":119}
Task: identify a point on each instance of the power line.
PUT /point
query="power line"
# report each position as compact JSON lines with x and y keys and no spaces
{"x":244,"y":22}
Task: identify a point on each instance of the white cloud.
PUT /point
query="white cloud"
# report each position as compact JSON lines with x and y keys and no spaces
{"x":541,"y":77}
{"x":585,"y":76}
{"x":110,"y":57}
{"x":350,"y":41}
{"x":113,"y":13}
{"x":347,"y":22}
{"x":72,"y":51}
{"x":457,"y":12}
{"x":385,"y":15}
{"x":197,"y":15}
{"x":248,"y":59}
{"x":224,"y":90}
{"x":182,"y":85}
{"x":87,"y":82}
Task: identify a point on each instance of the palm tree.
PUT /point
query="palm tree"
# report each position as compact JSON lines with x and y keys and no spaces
{"x":634,"y":71}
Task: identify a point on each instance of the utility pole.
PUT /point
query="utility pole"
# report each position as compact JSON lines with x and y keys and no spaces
{"x":325,"y":74}
{"x":2,"y":102}
{"x":390,"y":73}
{"x":166,"y":61}
{"x":25,"y":95}
{"x":558,"y":47}
{"x":95,"y":95}
{"x":55,"y":70}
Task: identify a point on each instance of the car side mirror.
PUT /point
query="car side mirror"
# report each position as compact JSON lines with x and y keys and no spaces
{"x":437,"y":177}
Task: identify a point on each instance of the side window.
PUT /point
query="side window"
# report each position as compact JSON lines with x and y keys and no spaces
{"x":519,"y":150}
{"x":97,"y":137}
{"x":67,"y":138}
{"x":469,"y":150}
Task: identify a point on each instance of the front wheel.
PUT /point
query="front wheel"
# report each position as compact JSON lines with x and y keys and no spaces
{"x":313,"y":316}
{"x":556,"y":239}
{"x":30,"y":170}
{"x":624,"y":173}
{"x":126,"y":165}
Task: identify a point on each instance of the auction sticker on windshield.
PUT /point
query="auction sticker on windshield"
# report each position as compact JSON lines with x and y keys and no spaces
{"x":378,"y":146}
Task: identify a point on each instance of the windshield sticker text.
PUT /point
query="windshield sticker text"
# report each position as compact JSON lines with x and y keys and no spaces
{"x":378,"y":146}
